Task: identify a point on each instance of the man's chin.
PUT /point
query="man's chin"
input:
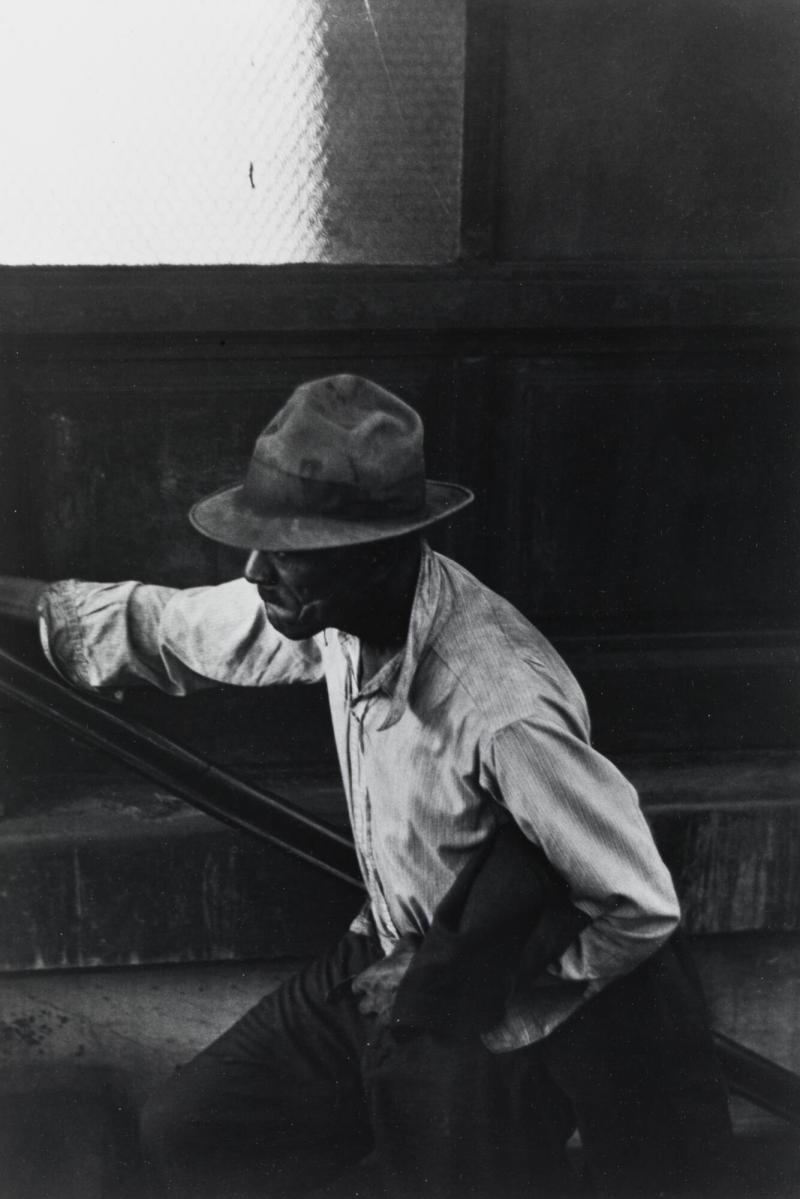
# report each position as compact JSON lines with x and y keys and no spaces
{"x":289,"y":624}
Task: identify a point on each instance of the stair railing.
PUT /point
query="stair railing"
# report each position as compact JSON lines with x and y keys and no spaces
{"x":250,"y":809}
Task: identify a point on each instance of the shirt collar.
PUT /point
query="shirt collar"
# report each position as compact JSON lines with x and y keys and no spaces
{"x":397,"y":675}
{"x":382,"y":681}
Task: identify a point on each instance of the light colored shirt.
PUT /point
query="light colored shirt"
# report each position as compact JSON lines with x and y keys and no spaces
{"x":475,"y":720}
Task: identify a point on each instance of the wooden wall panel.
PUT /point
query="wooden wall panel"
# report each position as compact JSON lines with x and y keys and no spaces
{"x":636,"y":489}
{"x":650,"y":129}
{"x":654,"y":491}
{"x":118,"y":447}
{"x":636,"y":497}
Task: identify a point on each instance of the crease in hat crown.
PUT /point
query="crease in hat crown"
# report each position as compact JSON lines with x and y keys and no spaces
{"x":341,"y":462}
{"x":341,"y":444}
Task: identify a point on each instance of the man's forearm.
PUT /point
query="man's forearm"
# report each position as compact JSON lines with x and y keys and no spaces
{"x":19,"y":597}
{"x":610,"y":947}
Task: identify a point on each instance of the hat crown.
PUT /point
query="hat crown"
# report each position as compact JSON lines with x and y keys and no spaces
{"x":341,"y":444}
{"x":341,"y":463}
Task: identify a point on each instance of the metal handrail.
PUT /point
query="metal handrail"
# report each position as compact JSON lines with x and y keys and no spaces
{"x":209,"y":787}
{"x":263,"y":813}
{"x":756,"y":1078}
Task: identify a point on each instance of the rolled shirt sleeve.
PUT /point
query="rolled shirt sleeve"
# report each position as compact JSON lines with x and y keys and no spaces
{"x":109,"y":636}
{"x":585,"y":815}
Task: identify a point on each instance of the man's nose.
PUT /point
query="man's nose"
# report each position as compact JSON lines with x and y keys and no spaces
{"x":259,"y":568}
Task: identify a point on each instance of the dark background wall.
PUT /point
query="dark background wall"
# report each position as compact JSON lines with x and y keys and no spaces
{"x":651,"y":129}
{"x":611,"y":365}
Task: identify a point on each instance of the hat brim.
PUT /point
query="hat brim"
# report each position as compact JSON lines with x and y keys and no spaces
{"x":225,"y":517}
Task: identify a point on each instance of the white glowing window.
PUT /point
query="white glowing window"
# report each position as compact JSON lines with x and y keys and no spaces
{"x":241,"y":131}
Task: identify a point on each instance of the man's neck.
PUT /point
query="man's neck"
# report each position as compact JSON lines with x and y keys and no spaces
{"x":382,"y":616}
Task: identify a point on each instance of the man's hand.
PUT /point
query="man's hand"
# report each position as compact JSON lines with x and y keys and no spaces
{"x":19,"y":597}
{"x":376,"y":987}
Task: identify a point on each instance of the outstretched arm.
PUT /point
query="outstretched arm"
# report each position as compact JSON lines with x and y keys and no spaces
{"x":19,"y":597}
{"x":115,"y":635}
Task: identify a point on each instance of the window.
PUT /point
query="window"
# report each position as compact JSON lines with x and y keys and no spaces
{"x":231,"y":131}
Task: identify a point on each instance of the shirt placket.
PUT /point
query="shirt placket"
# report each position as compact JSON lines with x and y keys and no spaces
{"x":361,"y":808}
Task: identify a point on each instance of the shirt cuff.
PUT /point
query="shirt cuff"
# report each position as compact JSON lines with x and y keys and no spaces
{"x":532,"y":1017}
{"x":59,"y":633}
{"x":62,"y":640}
{"x":364,"y":924}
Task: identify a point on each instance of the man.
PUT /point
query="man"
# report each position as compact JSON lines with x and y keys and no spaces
{"x":454,"y":720}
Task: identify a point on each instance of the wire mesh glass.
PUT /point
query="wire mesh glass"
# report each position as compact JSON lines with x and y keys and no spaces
{"x":241,"y":131}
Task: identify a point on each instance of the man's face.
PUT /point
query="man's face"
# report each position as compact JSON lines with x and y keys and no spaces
{"x":306,"y":591}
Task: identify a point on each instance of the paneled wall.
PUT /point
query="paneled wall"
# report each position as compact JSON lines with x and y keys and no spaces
{"x":620,"y":486}
{"x":638,"y":501}
{"x":650,"y":129}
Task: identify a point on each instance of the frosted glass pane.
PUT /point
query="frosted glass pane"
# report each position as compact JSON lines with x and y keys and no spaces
{"x":242,"y":131}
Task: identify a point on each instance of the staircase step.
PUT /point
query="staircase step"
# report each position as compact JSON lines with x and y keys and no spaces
{"x":67,"y":1133}
{"x":111,"y":871}
{"x":752,"y":981}
{"x":81,"y":1049}
{"x":728,"y":826}
{"x":137,"y":1023}
{"x":104,"y":868}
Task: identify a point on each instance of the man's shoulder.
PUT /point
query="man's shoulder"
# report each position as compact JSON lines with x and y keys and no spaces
{"x":492,"y":652}
{"x":476,"y":619}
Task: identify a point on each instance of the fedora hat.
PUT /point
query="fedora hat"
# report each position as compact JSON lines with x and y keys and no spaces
{"x":340,"y":464}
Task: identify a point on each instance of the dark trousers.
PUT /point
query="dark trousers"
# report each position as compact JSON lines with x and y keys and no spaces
{"x":301,"y":1088}
{"x":639,"y":1068}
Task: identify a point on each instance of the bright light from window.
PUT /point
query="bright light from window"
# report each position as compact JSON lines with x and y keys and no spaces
{"x":213,"y":131}
{"x":128,"y":131}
